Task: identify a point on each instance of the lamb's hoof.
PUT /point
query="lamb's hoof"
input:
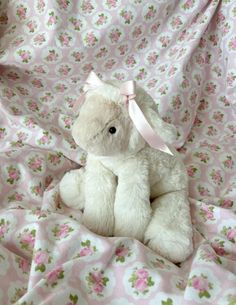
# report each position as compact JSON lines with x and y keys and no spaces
{"x":176,"y":248}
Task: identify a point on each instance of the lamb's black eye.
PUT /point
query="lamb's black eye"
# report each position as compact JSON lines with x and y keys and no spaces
{"x":112,"y":130}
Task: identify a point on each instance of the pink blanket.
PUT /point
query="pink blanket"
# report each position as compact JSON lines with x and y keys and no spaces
{"x":183,"y":53}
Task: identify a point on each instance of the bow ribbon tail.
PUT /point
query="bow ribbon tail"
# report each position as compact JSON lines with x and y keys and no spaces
{"x":145,"y":128}
{"x":79,"y":102}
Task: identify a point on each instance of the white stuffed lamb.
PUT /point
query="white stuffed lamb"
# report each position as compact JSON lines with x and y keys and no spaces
{"x":127,"y":187}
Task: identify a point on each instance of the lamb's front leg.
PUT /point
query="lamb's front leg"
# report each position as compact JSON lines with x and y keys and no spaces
{"x":132,"y":204}
{"x":100,"y":189}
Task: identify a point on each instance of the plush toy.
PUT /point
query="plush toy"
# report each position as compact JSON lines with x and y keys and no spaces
{"x":133,"y":184}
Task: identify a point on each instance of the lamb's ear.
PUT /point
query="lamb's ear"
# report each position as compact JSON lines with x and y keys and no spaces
{"x":92,"y":81}
{"x":166,"y":131}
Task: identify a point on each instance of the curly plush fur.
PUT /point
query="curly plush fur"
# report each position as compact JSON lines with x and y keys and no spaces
{"x":127,"y":187}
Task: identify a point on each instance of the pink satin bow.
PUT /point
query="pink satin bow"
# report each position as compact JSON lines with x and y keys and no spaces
{"x":128,"y":90}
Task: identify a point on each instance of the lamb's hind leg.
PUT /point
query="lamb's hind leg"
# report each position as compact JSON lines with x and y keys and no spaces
{"x":71,"y":188}
{"x":169,"y":233}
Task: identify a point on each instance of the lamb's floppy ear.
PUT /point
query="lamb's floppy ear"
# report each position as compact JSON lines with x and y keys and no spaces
{"x":166,"y":131}
{"x":92,"y":81}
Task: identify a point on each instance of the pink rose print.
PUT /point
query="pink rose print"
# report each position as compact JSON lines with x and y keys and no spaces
{"x":192,"y":171}
{"x":176,"y":22}
{"x":127,"y":16}
{"x":55,"y":159}
{"x":37,"y":190}
{"x":137,"y":32}
{"x":141,"y":75}
{"x":52,"y":56}
{"x":212,"y":147}
{"x":155,"y":27}
{"x":27,"y":239}
{"x":150,"y":13}
{"x":9,"y":93}
{"x":16,"y":197}
{"x":39,"y":39}
{"x":40,"y":6}
{"x":4,"y":228}
{"x":230,"y":233}
{"x":22,"y":90}
{"x":78,"y":56}
{"x":123,"y":49}
{"x":77,"y":23}
{"x":142,"y":44}
{"x":207,"y":213}
{"x":54,"y":276}
{"x":90,"y":39}
{"x":141,"y":281}
{"x":152,"y":83}
{"x":19,"y":293}
{"x":45,"y":139}
{"x":165,"y":41}
{"x":228,"y":162}
{"x":211,"y":131}
{"x":23,"y":264}
{"x":203,"y":191}
{"x":210,"y":257}
{"x":110,"y":64}
{"x":37,"y":83}
{"x":12,"y":76}
{"x":152,"y":58}
{"x":202,"y":285}
{"x":32,"y":26}
{"x":87,"y":7}
{"x":53,"y":19}
{"x":232,"y":44}
{"x":24,"y":55}
{"x":62,"y":231}
{"x":30,"y":122}
{"x":188,"y":4}
{"x":64,"y":39}
{"x":202,"y":156}
{"x":218,"y":247}
{"x":21,"y":11}
{"x":122,"y":252}
{"x":86,"y":249}
{"x":119,"y":76}
{"x":102,"y":19}
{"x":231,"y":77}
{"x":163,"y":89}
{"x":111,"y":3}
{"x":115,"y":35}
{"x":102,"y":52}
{"x":210,"y":88}
{"x":13,"y":174}
{"x":185,"y":83}
{"x":63,"y":4}
{"x":35,"y":163}
{"x":41,"y":259}
{"x":176,"y":102}
{"x":130,"y":61}
{"x":216,"y":177}
{"x":226,"y":203}
{"x":96,"y":282}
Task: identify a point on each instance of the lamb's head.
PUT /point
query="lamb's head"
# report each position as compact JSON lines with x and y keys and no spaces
{"x":103,"y":127}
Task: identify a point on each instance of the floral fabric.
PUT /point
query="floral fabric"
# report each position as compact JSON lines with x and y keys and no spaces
{"x":183,"y":54}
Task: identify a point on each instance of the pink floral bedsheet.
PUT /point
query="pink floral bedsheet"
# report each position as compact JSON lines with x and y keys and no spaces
{"x":183,"y":53}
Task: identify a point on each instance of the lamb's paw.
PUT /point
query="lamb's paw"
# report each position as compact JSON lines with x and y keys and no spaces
{"x":71,"y":189}
{"x":174,"y":245}
{"x":99,"y":225}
